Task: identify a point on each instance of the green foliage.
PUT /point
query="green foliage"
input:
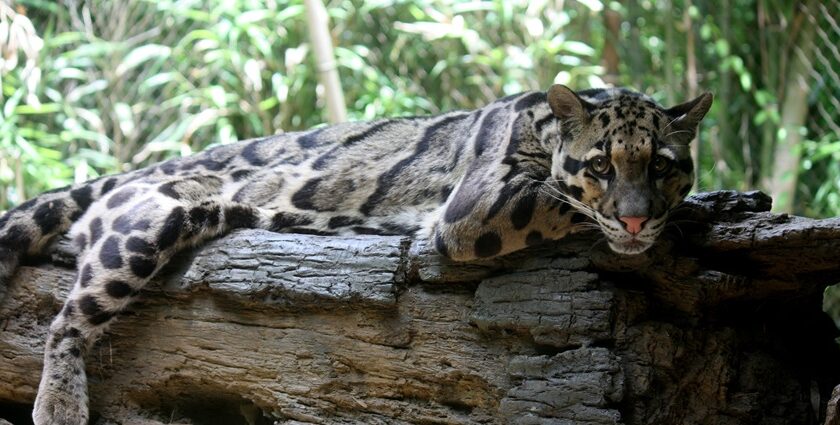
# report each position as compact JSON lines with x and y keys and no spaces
{"x":118,"y":85}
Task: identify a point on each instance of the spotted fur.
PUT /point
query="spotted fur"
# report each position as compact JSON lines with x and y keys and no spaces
{"x":477,"y":184}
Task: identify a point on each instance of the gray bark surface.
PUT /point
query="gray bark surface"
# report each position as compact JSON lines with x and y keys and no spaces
{"x":720,"y":323}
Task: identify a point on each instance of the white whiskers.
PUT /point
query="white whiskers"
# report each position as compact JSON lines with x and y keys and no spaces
{"x":553,"y":192}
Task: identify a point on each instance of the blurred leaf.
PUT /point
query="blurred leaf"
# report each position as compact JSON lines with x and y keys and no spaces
{"x":142,"y":54}
{"x":44,"y":108}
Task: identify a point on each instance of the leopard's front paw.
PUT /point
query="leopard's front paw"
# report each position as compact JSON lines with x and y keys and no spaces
{"x":60,"y":403}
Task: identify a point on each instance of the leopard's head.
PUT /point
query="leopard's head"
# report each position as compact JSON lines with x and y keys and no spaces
{"x":623,"y":160}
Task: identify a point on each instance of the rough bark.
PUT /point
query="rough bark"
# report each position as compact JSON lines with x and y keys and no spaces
{"x":719,"y":323}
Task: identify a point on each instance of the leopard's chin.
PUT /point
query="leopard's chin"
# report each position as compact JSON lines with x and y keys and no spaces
{"x":631,"y":247}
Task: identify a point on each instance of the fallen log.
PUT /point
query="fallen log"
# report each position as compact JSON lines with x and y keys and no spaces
{"x":720,"y":322}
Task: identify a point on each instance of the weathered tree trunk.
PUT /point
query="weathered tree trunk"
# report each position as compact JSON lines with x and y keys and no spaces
{"x":720,"y":323}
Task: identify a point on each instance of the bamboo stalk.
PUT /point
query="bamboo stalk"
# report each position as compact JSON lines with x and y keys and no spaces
{"x":325,"y":63}
{"x":670,"y":54}
{"x":691,"y":79}
{"x":612,"y":24}
{"x":794,"y":113}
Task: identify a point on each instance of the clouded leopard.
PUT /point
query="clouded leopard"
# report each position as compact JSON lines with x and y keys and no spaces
{"x":476,"y":184}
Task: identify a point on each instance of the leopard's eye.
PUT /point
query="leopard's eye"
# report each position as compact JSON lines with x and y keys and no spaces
{"x":661,"y":164}
{"x":600,"y":164}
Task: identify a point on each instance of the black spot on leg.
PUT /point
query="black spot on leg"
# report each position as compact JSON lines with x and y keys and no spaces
{"x":534,"y":238}
{"x":91,"y":308}
{"x":109,"y":255}
{"x":168,"y":189}
{"x":80,"y":241}
{"x":48,"y":216}
{"x":440,"y":245}
{"x":108,"y":186}
{"x":488,"y":245}
{"x":198,"y":216}
{"x":343,"y":221}
{"x":75,"y":351}
{"x":240,"y":217}
{"x":240,"y":174}
{"x":284,"y":220}
{"x":120,"y":197}
{"x":523,"y":210}
{"x":139,"y":245}
{"x":507,"y":193}
{"x":123,"y":224}
{"x":118,"y":289}
{"x":85,"y":275}
{"x":142,"y":267}
{"x":444,"y":193}
{"x":214,"y":216}
{"x":82,"y":197}
{"x":171,"y":229}
{"x":95,"y":230}
{"x":141,"y":225}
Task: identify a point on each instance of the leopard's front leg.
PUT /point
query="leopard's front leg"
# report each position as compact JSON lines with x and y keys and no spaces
{"x":486,"y":217}
{"x":124,"y":243}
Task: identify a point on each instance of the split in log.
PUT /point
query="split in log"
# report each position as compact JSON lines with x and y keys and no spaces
{"x":720,"y":322}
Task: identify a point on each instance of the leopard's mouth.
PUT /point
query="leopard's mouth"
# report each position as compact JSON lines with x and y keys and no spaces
{"x":631,"y":246}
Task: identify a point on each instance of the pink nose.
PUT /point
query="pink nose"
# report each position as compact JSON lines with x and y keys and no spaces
{"x":633,"y":224}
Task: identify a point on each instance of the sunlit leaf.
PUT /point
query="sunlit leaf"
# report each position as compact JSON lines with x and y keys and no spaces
{"x":158,"y":80}
{"x":44,"y":108}
{"x":578,"y":48}
{"x":86,"y":90}
{"x":125,"y":117}
{"x":142,"y":54}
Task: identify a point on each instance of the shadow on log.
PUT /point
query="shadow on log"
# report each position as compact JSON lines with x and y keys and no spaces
{"x":720,"y":323}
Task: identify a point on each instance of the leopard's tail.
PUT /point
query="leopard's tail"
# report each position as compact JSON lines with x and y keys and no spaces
{"x":29,"y":228}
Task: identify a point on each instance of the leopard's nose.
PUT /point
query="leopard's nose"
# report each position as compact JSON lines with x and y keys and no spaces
{"x":633,"y":225}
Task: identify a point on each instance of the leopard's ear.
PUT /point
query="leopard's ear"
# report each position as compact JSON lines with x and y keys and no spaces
{"x":686,"y":116}
{"x":567,"y":105}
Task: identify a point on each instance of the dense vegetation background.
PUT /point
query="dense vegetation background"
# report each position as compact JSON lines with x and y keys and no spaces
{"x":91,"y":87}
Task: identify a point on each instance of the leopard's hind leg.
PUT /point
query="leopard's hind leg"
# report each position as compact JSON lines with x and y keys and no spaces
{"x":124,"y":242}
